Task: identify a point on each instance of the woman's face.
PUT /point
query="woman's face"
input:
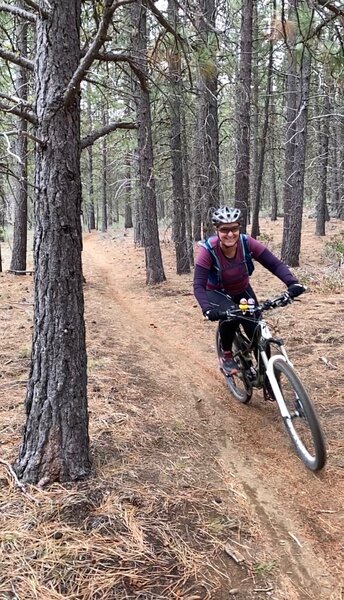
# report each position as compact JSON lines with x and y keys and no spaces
{"x":229,"y":234}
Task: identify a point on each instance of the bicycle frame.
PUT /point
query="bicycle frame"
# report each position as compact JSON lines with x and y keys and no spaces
{"x":260,"y":341}
{"x":269,"y":367}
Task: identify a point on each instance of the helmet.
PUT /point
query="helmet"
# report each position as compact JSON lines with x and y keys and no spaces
{"x":225,"y":214}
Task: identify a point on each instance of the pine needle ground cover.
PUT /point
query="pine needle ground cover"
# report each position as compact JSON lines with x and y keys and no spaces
{"x":181,"y":499}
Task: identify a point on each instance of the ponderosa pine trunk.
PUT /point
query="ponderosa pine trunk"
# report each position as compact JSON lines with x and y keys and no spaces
{"x":243,"y":99}
{"x":148,"y":211}
{"x":292,"y":242}
{"x":18,"y":258}
{"x":56,"y":444}
{"x":324,"y":135}
{"x":179,"y":228}
{"x":209,"y":169}
{"x":259,"y":181}
{"x":91,"y":220}
{"x":104,"y":174}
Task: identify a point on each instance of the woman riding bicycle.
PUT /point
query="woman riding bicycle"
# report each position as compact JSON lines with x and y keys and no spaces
{"x":221,"y":276}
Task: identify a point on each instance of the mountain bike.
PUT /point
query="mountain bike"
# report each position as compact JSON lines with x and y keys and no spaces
{"x":263,"y":363}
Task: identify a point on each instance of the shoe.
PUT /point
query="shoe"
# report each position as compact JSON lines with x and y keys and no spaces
{"x":228,"y":363}
{"x":268,"y":391}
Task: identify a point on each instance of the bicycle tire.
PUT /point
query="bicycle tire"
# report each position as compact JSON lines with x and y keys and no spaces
{"x":237,"y":384}
{"x":304,"y":411}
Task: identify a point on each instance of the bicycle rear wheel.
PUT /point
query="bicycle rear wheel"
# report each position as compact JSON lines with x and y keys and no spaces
{"x":238,"y":385}
{"x":302,"y":423}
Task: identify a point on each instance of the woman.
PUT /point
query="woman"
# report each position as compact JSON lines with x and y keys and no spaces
{"x":221,"y":277}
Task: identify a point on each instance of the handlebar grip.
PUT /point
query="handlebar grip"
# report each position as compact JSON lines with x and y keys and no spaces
{"x":223,"y":315}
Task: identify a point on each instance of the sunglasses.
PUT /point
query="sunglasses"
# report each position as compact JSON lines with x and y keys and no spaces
{"x":234,"y":229}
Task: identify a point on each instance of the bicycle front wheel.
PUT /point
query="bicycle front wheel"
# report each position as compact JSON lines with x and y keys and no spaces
{"x":238,"y":385}
{"x":302,"y":423}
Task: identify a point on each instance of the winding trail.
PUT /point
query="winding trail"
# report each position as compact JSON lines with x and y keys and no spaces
{"x":300,"y":513}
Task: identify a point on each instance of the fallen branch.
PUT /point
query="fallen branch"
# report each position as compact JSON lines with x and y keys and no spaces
{"x":16,"y":480}
{"x":295,"y":539}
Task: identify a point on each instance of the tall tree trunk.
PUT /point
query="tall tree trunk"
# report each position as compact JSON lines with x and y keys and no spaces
{"x":91,"y":216}
{"x":340,"y":210}
{"x":292,"y":243}
{"x":335,"y":183}
{"x":242,"y":168}
{"x":56,"y":444}
{"x":208,"y":127}
{"x":199,"y":199}
{"x":136,"y":200}
{"x":255,"y":216}
{"x":274,"y":195}
{"x":255,"y":116}
{"x":18,"y":259}
{"x":289,"y":157}
{"x":154,"y":267}
{"x":104,"y":173}
{"x":179,"y":230}
{"x":324,"y":134}
{"x":128,"y":216}
{"x":187,"y":190}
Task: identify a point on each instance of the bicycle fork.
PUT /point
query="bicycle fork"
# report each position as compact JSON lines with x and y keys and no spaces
{"x":269,"y":366}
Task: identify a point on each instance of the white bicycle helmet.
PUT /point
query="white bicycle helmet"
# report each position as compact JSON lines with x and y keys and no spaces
{"x":225,"y":214}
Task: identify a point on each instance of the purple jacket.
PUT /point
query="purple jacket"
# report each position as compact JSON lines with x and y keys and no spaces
{"x":234,"y":275}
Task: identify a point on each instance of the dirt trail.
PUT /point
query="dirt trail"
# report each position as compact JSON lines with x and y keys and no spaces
{"x":163,"y":336}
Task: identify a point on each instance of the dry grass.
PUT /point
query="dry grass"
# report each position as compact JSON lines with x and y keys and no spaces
{"x":147,"y":524}
{"x":162,"y":511}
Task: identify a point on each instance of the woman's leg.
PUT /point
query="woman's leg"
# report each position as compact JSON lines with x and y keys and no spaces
{"x":227,"y":328}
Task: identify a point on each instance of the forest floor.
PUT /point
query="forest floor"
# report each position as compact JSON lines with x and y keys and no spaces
{"x":192,"y":495}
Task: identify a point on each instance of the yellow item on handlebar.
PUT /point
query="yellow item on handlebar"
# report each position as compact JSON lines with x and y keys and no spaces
{"x":243,"y":305}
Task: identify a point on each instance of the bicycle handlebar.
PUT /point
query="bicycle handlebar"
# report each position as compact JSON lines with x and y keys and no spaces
{"x":269,"y":304}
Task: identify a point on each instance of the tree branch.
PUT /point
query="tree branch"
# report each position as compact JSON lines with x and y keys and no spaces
{"x":121,"y":57}
{"x":100,"y":38}
{"x":27,"y":134}
{"x":162,"y":20}
{"x":14,"y":110}
{"x":16,"y":480}
{"x":337,"y":11}
{"x":92,"y":137}
{"x":16,"y":100}
{"x":319,"y":27}
{"x":19,"y":12}
{"x":17,"y":60}
{"x":36,"y":7}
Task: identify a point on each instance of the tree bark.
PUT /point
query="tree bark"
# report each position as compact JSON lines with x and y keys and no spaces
{"x":292,"y":243}
{"x":256,"y":206}
{"x":150,"y":232}
{"x":56,"y":444}
{"x":128,"y":217}
{"x":187,"y":190}
{"x":208,"y":175}
{"x":179,"y":228}
{"x":91,"y":214}
{"x":18,"y":259}
{"x":105,"y":174}
{"x":242,"y":169}
{"x":324,"y":134}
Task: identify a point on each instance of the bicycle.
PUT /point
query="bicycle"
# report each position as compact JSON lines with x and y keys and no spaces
{"x":263,"y":363}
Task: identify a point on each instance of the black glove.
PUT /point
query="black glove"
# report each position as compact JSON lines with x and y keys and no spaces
{"x":296,"y":289}
{"x":213,"y":314}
